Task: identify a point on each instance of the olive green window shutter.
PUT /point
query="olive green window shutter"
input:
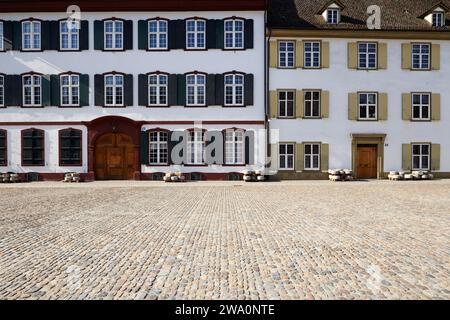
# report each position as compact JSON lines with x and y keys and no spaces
{"x":324,"y":157}
{"x":325,"y":54}
{"x":406,"y":106}
{"x":435,"y":57}
{"x":435,"y":107}
{"x":382,"y":55}
{"x":299,"y":157}
{"x":352,"y":106}
{"x":299,"y":104}
{"x":382,"y":106}
{"x":406,"y":157}
{"x":406,"y":56}
{"x":273,"y":107}
{"x":273,"y":51}
{"x":299,"y":56}
{"x":352,"y":55}
{"x":325,"y":104}
{"x":435,"y":157}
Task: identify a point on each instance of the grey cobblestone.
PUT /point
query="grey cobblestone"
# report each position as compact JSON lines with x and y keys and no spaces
{"x":225,"y":240}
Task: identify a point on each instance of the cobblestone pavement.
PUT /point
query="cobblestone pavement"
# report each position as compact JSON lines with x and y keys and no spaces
{"x":207,"y":240}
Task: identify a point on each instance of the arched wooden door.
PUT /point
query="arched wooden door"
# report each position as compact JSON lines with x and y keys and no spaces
{"x":114,"y":157}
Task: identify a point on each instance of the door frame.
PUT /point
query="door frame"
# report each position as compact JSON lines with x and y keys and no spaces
{"x":377,"y":140}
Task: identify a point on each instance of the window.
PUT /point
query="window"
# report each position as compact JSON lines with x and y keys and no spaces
{"x":367,"y":106}
{"x":312,"y":156}
{"x":438,"y":19}
{"x":421,"y":156}
{"x":234,"y":147}
{"x":312,"y":54}
{"x":31,"y":35}
{"x":421,"y":106}
{"x":421,"y":56}
{"x":286,"y":103}
{"x":367,"y":55}
{"x":234,"y":90}
{"x":196,"y":34}
{"x":70,"y":90}
{"x":158,"y":148}
{"x":33,"y":147}
{"x":69,"y":35}
{"x":195,"y":89}
{"x":32,"y":90}
{"x":286,"y":54}
{"x":70,"y":147}
{"x":157,"y":89}
{"x":157,"y":34}
{"x":1,"y":36}
{"x":2,"y":91}
{"x":3,"y":148}
{"x":234,"y":34}
{"x":195,"y":147}
{"x":114,"y":35}
{"x":286,"y":151}
{"x":333,"y":15}
{"x":114,"y":91}
{"x":312,"y":104}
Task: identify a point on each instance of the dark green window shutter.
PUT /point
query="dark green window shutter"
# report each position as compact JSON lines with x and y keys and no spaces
{"x":211,"y":34}
{"x":84,"y":90}
{"x":46,"y":35}
{"x":17,"y":35}
{"x":128,"y":90}
{"x":84,"y":35}
{"x":248,"y":90}
{"x":55,"y":90}
{"x":181,"y":84}
{"x":46,"y":91}
{"x":181,"y":34}
{"x":173,"y":90}
{"x":220,"y":96}
{"x":172,"y":144}
{"x":13,"y":90}
{"x":211,"y":90}
{"x":99,"y":90}
{"x":143,"y":90}
{"x":220,"y":42}
{"x":249,"y":34}
{"x":7,"y":35}
{"x":144,"y":148}
{"x":172,"y":34}
{"x":143,"y":34}
{"x":128,"y":35}
{"x":99,"y":35}
{"x":54,"y":35}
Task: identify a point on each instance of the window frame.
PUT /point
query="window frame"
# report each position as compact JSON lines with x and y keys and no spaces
{"x":285,"y":102}
{"x":42,"y":150}
{"x":192,"y":147}
{"x":32,"y":35}
{"x":2,"y":91}
{"x":158,"y":34}
{"x":233,"y":33}
{"x":234,"y":88}
{"x":312,"y":155}
{"x":113,"y":34}
{"x":159,"y":150}
{"x":312,"y":100}
{"x":367,"y":106}
{"x":196,"y":33}
{"x":421,"y":106}
{"x":60,"y":148}
{"x":330,"y":15}
{"x":33,"y":89}
{"x":2,"y":36}
{"x":287,"y":54}
{"x":69,"y":33}
{"x":158,"y":87}
{"x":196,"y":89}
{"x":287,"y":156}
{"x":234,"y":147}
{"x":312,"y":52}
{"x":4,"y":149}
{"x":421,"y":55}
{"x":434,"y":19}
{"x":421,"y":155}
{"x":70,"y":86}
{"x":368,"y":54}
{"x":114,"y":90}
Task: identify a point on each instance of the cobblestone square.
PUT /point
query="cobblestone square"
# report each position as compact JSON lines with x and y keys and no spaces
{"x":225,"y":240}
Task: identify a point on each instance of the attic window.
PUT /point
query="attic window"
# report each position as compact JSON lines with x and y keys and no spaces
{"x":333,"y":15}
{"x":438,"y":19}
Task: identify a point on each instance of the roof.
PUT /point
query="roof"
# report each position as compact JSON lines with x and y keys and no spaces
{"x":396,"y":15}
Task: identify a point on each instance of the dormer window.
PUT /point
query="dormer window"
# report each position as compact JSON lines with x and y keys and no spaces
{"x":333,"y":15}
{"x":438,"y":19}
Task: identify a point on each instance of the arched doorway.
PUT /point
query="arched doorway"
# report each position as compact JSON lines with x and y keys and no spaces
{"x":114,"y":157}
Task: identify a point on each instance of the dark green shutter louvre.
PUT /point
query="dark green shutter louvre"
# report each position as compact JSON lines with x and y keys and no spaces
{"x":55,"y":90}
{"x":172,"y":41}
{"x":128,"y":35}
{"x":46,"y":91}
{"x":181,"y":84}
{"x":46,"y":35}
{"x":84,"y":90}
{"x":181,"y":34}
{"x":84,"y":35}
{"x":54,"y":35}
{"x":143,"y":35}
{"x":211,"y":34}
{"x":220,"y":96}
{"x":248,"y":90}
{"x":211,"y":90}
{"x":173,"y":90}
{"x":128,"y":90}
{"x":99,"y":90}
{"x":13,"y":90}
{"x":17,"y":35}
{"x":99,"y":35}
{"x":249,"y":34}
{"x":220,"y":34}
{"x":7,"y":35}
{"x":144,"y":148}
{"x":143,"y":89}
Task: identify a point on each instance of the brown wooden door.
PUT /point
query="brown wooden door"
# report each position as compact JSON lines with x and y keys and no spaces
{"x":114,"y":157}
{"x":367,"y":162}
